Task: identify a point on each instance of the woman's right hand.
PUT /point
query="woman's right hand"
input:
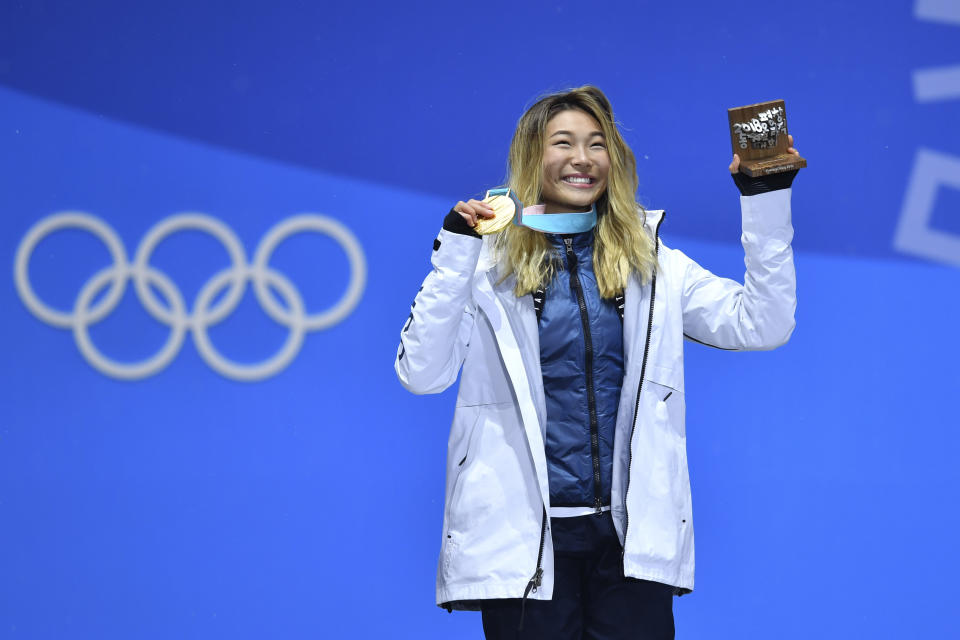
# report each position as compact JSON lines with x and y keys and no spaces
{"x":472,"y":209}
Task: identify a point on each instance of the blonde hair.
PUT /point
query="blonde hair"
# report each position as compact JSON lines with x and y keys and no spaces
{"x":621,"y":244}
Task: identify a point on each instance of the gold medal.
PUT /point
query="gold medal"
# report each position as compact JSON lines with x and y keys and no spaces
{"x":504,"y":205}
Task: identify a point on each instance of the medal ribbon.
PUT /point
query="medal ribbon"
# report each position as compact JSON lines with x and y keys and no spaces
{"x":534,"y":218}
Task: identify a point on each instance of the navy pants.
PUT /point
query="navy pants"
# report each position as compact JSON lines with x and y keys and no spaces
{"x":591,"y":599}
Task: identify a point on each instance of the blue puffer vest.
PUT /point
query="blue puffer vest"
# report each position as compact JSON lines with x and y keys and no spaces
{"x":581,"y":357}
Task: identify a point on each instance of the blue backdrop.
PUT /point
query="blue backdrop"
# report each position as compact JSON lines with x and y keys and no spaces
{"x":202,"y":458}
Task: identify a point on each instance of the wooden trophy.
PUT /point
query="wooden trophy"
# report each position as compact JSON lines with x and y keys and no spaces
{"x":759,"y":135}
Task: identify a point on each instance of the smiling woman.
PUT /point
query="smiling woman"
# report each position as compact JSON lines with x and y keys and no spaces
{"x":575,"y":163}
{"x":568,"y":511}
{"x":561,"y":141}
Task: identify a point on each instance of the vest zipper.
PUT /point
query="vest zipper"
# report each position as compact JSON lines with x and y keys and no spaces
{"x":636,"y":407}
{"x":591,"y":399}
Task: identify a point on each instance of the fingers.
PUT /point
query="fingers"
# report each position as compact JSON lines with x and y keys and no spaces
{"x":472,"y":209}
{"x":735,"y":164}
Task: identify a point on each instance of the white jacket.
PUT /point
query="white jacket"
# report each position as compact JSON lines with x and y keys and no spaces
{"x":496,"y":539}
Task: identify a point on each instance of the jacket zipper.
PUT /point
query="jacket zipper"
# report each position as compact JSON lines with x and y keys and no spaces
{"x":636,"y":407}
{"x":537,"y":578}
{"x":591,"y":398}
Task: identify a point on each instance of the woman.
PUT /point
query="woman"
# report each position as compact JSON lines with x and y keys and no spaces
{"x":567,"y":511}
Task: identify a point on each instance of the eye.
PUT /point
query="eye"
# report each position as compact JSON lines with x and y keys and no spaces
{"x":561,"y":142}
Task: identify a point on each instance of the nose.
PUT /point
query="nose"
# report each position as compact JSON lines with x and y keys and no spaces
{"x":580,"y":156}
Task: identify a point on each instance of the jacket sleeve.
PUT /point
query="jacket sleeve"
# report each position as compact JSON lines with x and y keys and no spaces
{"x":434,"y":339}
{"x":758,"y":314}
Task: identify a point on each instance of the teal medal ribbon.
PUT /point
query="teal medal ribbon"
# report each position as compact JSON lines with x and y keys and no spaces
{"x":533,"y":217}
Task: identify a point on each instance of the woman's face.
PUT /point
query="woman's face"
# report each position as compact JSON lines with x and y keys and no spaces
{"x":575,"y":162}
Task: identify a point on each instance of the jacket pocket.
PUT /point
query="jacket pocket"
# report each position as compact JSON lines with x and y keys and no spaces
{"x":461,"y":446}
{"x":458,"y":455}
{"x":475,"y":488}
{"x":666,"y":401}
{"x":659,"y":498}
{"x":488,"y":493}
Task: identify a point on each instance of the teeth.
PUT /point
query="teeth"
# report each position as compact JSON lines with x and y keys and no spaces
{"x":576,"y":180}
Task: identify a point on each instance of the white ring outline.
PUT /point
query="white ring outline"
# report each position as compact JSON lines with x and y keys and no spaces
{"x":125,"y":370}
{"x":200,"y":318}
{"x":347,"y":241}
{"x":246,"y":372}
{"x":184,"y":222}
{"x":56,"y":222}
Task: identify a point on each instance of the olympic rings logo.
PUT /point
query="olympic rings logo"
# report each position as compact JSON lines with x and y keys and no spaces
{"x":204,"y":313}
